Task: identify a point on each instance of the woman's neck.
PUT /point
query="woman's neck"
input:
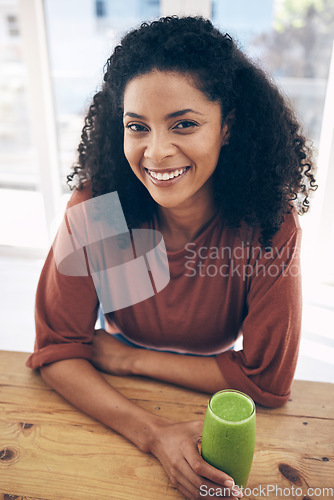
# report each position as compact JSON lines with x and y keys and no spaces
{"x":180,"y":226}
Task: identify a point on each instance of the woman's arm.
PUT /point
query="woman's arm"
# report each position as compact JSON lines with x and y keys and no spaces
{"x":81,"y":384}
{"x":195,"y":372}
{"x":174,"y":444}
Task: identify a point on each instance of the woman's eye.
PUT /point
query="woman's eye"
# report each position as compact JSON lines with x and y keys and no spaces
{"x":185,"y":124}
{"x":136,"y":127}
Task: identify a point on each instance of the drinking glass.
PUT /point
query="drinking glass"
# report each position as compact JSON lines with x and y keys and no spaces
{"x":228,"y":438}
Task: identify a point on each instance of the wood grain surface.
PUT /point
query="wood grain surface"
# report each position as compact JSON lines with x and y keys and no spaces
{"x":49,"y":450}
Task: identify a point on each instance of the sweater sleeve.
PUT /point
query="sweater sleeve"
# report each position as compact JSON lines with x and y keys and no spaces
{"x":264,"y":368}
{"x":66,"y":310}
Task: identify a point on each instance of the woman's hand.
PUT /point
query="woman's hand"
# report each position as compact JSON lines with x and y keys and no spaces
{"x":176,"y":447}
{"x":111,"y":355}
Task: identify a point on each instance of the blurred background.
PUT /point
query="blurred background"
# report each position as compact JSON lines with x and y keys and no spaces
{"x":52,"y":54}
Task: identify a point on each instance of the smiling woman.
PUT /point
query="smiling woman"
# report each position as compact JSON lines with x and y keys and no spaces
{"x":199,"y":145}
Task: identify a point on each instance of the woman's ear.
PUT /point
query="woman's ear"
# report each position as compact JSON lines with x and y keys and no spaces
{"x":227,"y":127}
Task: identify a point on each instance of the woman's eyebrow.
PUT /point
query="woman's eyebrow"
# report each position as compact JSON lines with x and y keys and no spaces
{"x":182,"y":112}
{"x":170,"y":115}
{"x":134,"y":115}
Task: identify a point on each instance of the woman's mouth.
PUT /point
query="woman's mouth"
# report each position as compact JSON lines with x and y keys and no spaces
{"x":164,"y":178}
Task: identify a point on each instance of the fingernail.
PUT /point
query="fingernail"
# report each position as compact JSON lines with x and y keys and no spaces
{"x":229,"y":483}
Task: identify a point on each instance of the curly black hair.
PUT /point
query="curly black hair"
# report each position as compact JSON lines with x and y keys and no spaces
{"x":265,"y":170}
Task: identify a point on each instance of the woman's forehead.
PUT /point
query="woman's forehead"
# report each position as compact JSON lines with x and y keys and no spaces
{"x":164,"y":87}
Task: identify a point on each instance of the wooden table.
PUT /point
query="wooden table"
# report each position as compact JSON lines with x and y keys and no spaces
{"x":50,"y":450}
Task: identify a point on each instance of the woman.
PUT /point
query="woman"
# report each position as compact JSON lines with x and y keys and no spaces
{"x":200,"y":145}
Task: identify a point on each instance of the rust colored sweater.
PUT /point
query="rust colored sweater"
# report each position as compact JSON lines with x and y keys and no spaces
{"x":222,"y":285}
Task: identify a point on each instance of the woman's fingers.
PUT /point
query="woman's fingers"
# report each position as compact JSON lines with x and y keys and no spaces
{"x":185,"y":467}
{"x":175,"y":445}
{"x":208,"y":478}
{"x":192,"y":493}
{"x":205,"y":470}
{"x":200,"y":487}
{"x":202,"y":468}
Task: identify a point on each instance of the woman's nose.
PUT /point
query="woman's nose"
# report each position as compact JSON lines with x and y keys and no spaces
{"x":159,"y":147}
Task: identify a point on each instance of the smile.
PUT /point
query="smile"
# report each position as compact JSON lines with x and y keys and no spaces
{"x":166,"y":176}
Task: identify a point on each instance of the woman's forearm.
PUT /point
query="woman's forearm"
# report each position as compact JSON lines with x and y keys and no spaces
{"x":195,"y":372}
{"x":200,"y":373}
{"x":81,"y":384}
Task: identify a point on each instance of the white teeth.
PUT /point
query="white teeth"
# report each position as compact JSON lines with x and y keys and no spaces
{"x":166,"y":176}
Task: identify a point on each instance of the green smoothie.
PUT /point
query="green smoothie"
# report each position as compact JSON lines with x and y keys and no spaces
{"x":228,"y":438}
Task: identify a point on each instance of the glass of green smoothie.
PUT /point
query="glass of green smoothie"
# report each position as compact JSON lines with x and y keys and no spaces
{"x":228,"y":438}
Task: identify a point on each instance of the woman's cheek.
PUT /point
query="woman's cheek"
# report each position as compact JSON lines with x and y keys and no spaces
{"x":127,"y":150}
{"x":132,"y":153}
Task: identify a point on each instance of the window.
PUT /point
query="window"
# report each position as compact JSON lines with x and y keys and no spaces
{"x":17,"y":166}
{"x":100,"y":8}
{"x":12,"y":23}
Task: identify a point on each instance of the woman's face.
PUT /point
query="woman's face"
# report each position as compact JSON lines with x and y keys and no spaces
{"x":172,"y":137}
